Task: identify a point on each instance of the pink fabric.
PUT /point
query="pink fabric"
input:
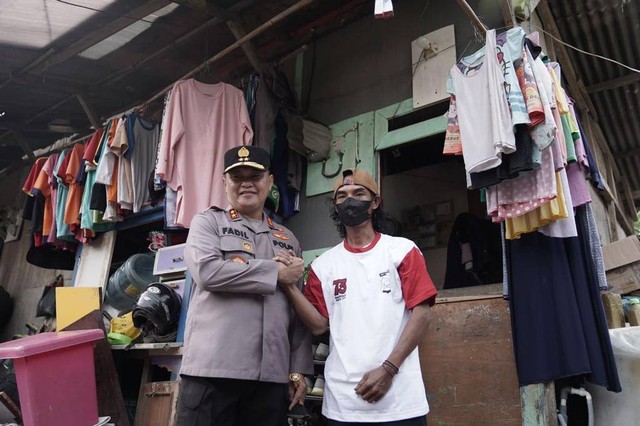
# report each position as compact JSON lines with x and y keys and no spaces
{"x":578,"y":185}
{"x":563,"y":228}
{"x":202,"y":122}
{"x":515,"y":197}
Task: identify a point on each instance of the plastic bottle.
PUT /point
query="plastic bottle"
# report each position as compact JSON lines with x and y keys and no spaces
{"x":129,"y":281}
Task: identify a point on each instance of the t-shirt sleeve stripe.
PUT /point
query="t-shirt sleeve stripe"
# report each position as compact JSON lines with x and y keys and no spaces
{"x":417,"y":285}
{"x":313,"y":293}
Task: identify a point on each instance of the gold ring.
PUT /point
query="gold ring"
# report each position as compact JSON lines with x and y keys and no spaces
{"x":294,"y":377}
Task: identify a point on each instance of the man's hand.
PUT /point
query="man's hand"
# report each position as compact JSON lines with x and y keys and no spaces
{"x":290,"y":267}
{"x":297,"y":392}
{"x":374,"y":385}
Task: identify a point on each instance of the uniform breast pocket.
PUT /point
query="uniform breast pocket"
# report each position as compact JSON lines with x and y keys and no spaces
{"x":234,"y":248}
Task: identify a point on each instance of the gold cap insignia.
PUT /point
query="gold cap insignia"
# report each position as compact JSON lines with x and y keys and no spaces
{"x":243,"y":154}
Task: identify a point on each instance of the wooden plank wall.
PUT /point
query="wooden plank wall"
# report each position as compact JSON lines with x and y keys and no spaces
{"x":468,"y":365}
{"x":23,"y":281}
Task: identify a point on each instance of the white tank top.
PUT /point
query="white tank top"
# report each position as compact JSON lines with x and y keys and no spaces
{"x":486,"y":128}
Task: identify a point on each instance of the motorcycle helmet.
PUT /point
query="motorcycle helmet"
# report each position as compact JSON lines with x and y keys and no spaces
{"x":157,"y":310}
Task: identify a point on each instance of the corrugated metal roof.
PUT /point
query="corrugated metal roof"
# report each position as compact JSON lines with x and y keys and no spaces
{"x":612,"y":29}
{"x":37,"y":23}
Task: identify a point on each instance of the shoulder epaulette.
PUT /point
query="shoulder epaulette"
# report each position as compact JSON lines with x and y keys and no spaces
{"x":234,"y":215}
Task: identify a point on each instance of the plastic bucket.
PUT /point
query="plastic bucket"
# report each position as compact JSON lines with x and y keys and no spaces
{"x":129,"y":281}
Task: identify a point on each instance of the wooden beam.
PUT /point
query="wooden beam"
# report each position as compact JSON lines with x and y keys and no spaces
{"x":224,"y":52}
{"x":22,"y":141}
{"x":100,"y":34}
{"x":538,"y":402}
{"x":129,"y":69}
{"x":247,"y":47}
{"x":628,"y":196}
{"x":577,"y":88}
{"x":625,"y":80}
{"x":209,"y":8}
{"x":43,"y":112}
{"x":233,"y":22}
{"x":27,"y":68}
{"x":472,"y":15}
{"x":508,"y":15}
{"x":88,"y":109}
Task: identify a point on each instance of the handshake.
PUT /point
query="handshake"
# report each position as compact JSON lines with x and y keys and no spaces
{"x":290,"y":268}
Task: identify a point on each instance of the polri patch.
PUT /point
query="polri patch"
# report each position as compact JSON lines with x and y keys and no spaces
{"x":238,"y":259}
{"x":272,"y":225}
{"x":247,"y":247}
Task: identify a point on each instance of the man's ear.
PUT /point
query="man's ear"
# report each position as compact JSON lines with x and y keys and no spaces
{"x":271,"y":179}
{"x":376,"y":202}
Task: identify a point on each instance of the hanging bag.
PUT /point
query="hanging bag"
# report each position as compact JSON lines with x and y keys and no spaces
{"x":47,"y":302}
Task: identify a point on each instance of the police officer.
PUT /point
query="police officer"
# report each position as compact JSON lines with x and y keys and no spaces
{"x":245,"y":351}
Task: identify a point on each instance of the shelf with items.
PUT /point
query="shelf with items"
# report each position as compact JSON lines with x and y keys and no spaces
{"x":313,"y":398}
{"x":171,"y":348}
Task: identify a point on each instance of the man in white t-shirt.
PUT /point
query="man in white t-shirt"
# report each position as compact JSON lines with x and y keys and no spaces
{"x":374,"y":293}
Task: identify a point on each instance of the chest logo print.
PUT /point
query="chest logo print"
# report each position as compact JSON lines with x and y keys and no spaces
{"x":340,"y":289}
{"x":247,"y":247}
{"x":281,"y":236}
{"x":385,"y":281}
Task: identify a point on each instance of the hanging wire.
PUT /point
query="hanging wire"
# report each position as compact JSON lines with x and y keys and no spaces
{"x":595,"y":55}
{"x":426,"y":6}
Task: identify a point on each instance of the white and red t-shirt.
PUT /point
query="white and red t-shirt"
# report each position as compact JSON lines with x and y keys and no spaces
{"x":367,"y":293}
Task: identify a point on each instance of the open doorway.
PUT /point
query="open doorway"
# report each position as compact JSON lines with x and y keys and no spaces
{"x":426,"y":195}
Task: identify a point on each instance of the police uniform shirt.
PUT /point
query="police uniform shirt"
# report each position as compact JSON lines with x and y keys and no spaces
{"x":240,"y":325}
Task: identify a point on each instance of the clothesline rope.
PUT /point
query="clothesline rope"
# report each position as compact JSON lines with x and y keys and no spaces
{"x":636,"y":70}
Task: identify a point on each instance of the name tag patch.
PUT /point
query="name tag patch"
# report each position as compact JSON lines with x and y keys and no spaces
{"x":226,"y":230}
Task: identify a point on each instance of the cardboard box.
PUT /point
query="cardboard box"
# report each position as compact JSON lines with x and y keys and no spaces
{"x":622,"y":264}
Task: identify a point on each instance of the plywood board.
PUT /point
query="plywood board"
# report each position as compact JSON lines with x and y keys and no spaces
{"x":468,"y":365}
{"x":73,"y":303}
{"x":95,"y":261}
{"x":158,"y":405}
{"x":432,"y":66}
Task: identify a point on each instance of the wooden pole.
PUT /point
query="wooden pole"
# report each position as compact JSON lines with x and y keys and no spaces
{"x":224,"y":52}
{"x":472,"y":15}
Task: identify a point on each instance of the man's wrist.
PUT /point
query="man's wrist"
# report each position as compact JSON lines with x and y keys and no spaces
{"x":390,"y":367}
{"x":289,"y":288}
